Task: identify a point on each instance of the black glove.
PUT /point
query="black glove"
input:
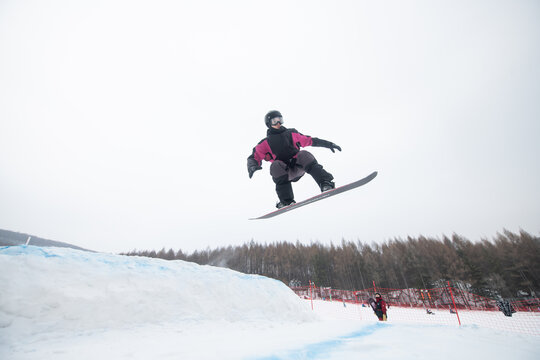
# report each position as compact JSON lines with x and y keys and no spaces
{"x":324,"y":143}
{"x":252,"y":165}
{"x":252,"y":169}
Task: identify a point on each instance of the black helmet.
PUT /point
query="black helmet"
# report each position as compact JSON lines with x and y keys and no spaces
{"x":270,"y":115}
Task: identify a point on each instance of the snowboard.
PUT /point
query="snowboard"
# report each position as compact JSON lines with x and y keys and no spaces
{"x":373,"y":304}
{"x":321,"y":196}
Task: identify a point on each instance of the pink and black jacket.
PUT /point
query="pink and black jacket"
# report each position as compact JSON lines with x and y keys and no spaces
{"x":280,"y":144}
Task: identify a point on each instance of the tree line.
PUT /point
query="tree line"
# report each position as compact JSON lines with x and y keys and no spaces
{"x":506,"y":266}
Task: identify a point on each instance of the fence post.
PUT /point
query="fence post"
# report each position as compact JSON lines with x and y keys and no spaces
{"x":311,"y":294}
{"x":455,"y":308}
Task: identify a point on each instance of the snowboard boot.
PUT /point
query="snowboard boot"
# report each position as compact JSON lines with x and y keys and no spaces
{"x":282,"y":204}
{"x":327,"y":185}
{"x":284,"y":191}
{"x":321,"y":176}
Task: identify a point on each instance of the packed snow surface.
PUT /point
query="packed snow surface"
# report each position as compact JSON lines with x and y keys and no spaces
{"x":59,"y":303}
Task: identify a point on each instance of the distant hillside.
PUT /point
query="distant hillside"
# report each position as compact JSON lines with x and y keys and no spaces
{"x":10,"y":238}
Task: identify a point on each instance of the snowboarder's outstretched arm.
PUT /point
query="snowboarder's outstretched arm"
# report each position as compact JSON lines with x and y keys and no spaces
{"x":324,"y":143}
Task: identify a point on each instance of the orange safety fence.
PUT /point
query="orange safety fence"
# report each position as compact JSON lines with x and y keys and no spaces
{"x":446,"y":305}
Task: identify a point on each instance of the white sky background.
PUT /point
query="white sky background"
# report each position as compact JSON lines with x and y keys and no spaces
{"x":127,"y":124}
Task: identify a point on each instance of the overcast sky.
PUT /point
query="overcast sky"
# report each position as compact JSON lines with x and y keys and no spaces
{"x":127,"y":124}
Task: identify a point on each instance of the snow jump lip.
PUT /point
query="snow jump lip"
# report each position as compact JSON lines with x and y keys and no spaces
{"x":321,"y":196}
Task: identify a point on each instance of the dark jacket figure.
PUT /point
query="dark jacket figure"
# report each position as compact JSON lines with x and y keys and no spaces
{"x":282,"y":147}
{"x":505,"y":307}
{"x":381,"y":307}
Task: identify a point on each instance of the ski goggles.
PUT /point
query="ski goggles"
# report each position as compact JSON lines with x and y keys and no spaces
{"x":276,"y":120}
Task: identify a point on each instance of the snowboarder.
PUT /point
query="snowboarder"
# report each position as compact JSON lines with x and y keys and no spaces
{"x":380,"y":308}
{"x":282,"y":148}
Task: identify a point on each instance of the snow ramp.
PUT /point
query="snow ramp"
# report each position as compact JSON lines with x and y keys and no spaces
{"x":67,"y":289}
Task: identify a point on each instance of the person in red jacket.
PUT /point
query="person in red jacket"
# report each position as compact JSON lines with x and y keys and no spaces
{"x":282,"y":147}
{"x":381,"y":307}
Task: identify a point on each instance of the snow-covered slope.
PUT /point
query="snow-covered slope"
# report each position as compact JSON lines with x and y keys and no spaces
{"x":78,"y":290}
{"x":64,"y":304}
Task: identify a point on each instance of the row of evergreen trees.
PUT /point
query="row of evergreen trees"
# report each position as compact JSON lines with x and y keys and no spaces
{"x":507,"y":265}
